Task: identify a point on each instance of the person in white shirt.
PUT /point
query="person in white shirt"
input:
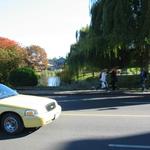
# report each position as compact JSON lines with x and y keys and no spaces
{"x":103,"y":79}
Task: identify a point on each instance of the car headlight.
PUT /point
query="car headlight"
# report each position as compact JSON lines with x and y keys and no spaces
{"x":30,"y":112}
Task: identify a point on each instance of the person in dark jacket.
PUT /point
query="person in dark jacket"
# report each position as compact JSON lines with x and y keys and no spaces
{"x":113,"y":77}
{"x":143,"y":76}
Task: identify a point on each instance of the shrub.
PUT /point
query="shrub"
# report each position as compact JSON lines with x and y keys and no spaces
{"x":43,"y":78}
{"x":23,"y":77}
{"x":65,"y":76}
{"x":128,"y":81}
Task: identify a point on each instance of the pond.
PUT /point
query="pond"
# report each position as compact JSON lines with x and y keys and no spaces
{"x":53,"y":81}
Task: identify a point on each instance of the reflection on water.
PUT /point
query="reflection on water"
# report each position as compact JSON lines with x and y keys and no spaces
{"x":53,"y":81}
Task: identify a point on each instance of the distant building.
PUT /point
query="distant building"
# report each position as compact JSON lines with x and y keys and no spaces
{"x":55,"y":64}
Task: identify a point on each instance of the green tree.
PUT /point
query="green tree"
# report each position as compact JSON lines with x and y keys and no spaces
{"x":124,"y":25}
{"x":119,"y":35}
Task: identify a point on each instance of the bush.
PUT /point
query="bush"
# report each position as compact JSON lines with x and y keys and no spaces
{"x":43,"y":78}
{"x":129,"y":81}
{"x":65,"y":76}
{"x":23,"y":77}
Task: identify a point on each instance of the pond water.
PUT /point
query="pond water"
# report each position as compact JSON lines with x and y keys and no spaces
{"x":53,"y":81}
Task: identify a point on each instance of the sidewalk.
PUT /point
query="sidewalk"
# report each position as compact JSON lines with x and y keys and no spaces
{"x":57,"y":92}
{"x":51,"y":92}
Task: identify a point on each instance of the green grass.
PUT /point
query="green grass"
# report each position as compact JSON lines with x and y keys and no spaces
{"x":130,"y":79}
{"x":124,"y":81}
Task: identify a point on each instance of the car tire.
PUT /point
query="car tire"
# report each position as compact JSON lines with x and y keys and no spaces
{"x":11,"y":124}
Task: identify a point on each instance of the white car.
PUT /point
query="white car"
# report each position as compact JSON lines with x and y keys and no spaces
{"x":19,"y":111}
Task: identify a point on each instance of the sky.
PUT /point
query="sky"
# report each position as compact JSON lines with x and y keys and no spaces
{"x":50,"y":24}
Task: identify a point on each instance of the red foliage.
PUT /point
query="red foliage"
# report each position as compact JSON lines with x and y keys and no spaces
{"x":6,"y":43}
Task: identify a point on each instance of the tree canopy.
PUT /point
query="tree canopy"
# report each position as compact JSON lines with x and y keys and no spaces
{"x":119,"y":35}
{"x":11,"y":57}
{"x":7,"y":43}
{"x":36,"y":57}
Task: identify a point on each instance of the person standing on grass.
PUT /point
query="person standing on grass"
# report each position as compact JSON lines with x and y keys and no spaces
{"x":143,"y":76}
{"x":113,"y":76}
{"x":103,"y":80}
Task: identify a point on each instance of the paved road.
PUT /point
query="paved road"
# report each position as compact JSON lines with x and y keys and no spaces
{"x":105,"y":121}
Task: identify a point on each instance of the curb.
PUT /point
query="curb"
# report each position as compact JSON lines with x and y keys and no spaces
{"x":45,"y":92}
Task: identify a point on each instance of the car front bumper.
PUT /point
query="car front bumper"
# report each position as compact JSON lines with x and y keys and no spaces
{"x":42,"y":119}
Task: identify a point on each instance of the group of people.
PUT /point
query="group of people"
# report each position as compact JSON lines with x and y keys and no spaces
{"x":103,"y":79}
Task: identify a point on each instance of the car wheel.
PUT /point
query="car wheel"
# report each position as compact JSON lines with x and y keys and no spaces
{"x":11,"y":124}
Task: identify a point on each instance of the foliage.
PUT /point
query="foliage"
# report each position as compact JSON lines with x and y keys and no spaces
{"x":129,"y":81}
{"x":78,"y":58}
{"x":7,"y":43}
{"x":36,"y":57}
{"x":119,"y":35}
{"x":43,"y":78}
{"x":65,"y":76}
{"x":11,"y":57}
{"x":23,"y":77}
{"x":124,"y":25}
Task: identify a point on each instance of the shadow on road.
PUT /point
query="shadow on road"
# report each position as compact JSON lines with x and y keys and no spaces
{"x":105,"y":101}
{"x":134,"y":142}
{"x":26,"y":132}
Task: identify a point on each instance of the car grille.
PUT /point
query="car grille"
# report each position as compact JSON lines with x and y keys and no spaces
{"x":50,"y":106}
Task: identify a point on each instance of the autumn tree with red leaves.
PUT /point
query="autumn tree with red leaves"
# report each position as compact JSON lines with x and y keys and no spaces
{"x":6,"y":43}
{"x":12,"y":56}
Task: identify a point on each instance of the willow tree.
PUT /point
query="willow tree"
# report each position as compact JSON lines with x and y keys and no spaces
{"x":119,"y":35}
{"x":108,"y":22}
{"x":142,"y":31}
{"x":124,"y":26}
{"x":77,"y":56}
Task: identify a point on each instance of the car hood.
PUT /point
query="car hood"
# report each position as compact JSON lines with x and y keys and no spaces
{"x":26,"y":101}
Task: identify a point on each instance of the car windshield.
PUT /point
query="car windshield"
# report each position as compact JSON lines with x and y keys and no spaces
{"x":6,"y":91}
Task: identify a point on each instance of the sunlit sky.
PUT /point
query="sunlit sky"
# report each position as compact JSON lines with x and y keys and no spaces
{"x":51,"y":24}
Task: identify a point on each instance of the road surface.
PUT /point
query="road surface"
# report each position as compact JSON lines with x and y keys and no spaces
{"x":96,"y":121}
